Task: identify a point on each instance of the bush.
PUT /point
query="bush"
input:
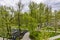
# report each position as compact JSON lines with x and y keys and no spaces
{"x":36,"y":35}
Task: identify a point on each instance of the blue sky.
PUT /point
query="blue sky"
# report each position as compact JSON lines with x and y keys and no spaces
{"x":55,"y":4}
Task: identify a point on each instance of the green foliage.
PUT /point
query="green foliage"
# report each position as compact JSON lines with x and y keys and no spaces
{"x":35,"y":35}
{"x":39,"y":16}
{"x":57,"y":39}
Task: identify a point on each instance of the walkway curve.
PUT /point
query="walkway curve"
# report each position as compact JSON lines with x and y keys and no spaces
{"x":26,"y":36}
{"x":55,"y":37}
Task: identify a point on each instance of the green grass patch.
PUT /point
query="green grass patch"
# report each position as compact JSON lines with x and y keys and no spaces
{"x":37,"y":35}
{"x":57,"y":39}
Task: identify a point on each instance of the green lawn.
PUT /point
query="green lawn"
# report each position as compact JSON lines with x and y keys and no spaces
{"x":42,"y":35}
{"x":58,"y":39}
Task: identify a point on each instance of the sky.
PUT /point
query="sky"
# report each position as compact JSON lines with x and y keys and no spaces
{"x":55,"y":4}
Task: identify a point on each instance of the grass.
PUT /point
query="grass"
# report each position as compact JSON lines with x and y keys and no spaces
{"x":57,"y":39}
{"x":36,"y":35}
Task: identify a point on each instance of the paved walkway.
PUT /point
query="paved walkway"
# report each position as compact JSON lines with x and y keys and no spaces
{"x":2,"y":38}
{"x":26,"y":36}
{"x":55,"y":37}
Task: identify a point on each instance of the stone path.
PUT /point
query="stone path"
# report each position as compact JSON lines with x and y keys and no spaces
{"x":26,"y":36}
{"x":2,"y":38}
{"x":55,"y":37}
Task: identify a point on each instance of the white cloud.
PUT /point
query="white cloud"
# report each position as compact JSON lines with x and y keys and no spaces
{"x":55,"y":4}
{"x":14,"y":2}
{"x":8,"y":2}
{"x":38,"y":1}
